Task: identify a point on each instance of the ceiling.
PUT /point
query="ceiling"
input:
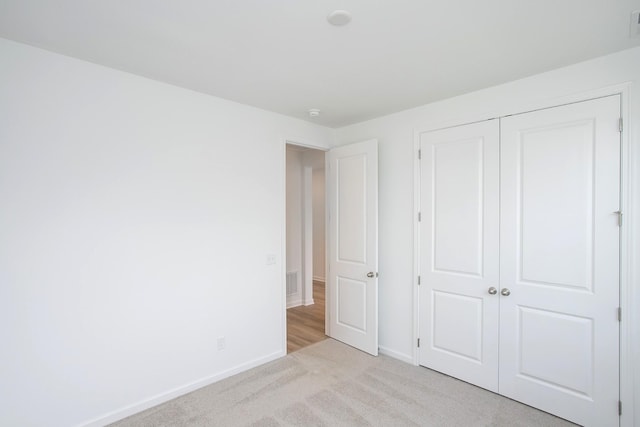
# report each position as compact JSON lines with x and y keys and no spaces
{"x":283,"y":56}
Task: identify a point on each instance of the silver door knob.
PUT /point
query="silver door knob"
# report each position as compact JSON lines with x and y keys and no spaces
{"x":505,"y":292}
{"x":371,"y":274}
{"x":492,"y":291}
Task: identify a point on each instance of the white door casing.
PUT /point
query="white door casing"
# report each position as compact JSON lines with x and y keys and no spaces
{"x":559,"y":245}
{"x":459,"y":252}
{"x":352,"y":284}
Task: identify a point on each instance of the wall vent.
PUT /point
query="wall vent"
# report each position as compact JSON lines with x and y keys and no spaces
{"x":634,"y":27}
{"x":292,"y":283}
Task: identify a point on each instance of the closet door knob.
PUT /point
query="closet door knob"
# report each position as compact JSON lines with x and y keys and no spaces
{"x":371,"y":274}
{"x":505,"y":292}
{"x":492,"y":291}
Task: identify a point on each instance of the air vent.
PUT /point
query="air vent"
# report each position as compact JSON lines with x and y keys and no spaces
{"x":634,"y":28}
{"x":292,"y":283}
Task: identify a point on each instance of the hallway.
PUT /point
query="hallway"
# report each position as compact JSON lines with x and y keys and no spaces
{"x":305,"y":324}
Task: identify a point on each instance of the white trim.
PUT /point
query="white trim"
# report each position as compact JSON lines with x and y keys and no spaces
{"x":297,"y":302}
{"x":318,"y":279}
{"x":301,"y":142}
{"x":283,"y":248}
{"x":407,"y":358}
{"x":629,"y":297}
{"x":627,"y":293}
{"x":327,"y":217}
{"x":622,"y":88}
{"x":176,"y":392}
{"x":416,"y":247}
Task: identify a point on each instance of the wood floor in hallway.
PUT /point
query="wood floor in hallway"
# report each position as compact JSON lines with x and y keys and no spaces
{"x":305,"y":324}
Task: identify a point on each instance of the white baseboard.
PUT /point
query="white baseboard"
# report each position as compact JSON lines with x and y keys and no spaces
{"x":127,"y":411}
{"x":294,"y":303}
{"x":309,"y":302}
{"x":396,"y":355}
{"x":318,"y":279}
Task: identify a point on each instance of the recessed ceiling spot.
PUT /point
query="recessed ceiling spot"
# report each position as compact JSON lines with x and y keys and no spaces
{"x":314,"y":112}
{"x":339,"y":17}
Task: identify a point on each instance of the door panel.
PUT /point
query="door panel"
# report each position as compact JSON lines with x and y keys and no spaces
{"x":459,"y":252}
{"x":559,"y":246}
{"x":352,"y":309}
{"x":351,"y":210}
{"x":558,"y":366}
{"x":351,"y":303}
{"x":556,"y":204}
{"x":457,"y":188}
{"x":466,"y":314}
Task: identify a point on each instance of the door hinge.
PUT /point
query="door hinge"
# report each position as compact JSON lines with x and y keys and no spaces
{"x":419,"y":216}
{"x":418,"y":280}
{"x":619,"y":407}
{"x":418,"y":342}
{"x":619,"y":213}
{"x":419,"y":154}
{"x":620,"y":124}
{"x":619,"y":314}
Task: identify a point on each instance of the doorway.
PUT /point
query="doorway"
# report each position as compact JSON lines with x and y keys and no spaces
{"x":305,"y":246}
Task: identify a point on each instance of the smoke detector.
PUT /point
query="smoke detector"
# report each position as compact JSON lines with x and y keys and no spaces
{"x":339,"y":18}
{"x":314,"y":112}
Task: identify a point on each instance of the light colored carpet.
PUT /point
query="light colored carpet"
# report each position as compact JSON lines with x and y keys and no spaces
{"x":332,"y":384}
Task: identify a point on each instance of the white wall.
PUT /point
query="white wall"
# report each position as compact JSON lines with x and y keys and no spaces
{"x":135,"y":222}
{"x":315,"y":159}
{"x":294,"y":221}
{"x":319,"y":206}
{"x":396,"y":184}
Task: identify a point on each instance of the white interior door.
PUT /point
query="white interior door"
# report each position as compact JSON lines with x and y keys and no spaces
{"x":459,"y":252}
{"x":352,"y":284}
{"x":559,"y":245}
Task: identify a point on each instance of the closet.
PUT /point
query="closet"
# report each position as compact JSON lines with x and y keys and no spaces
{"x":519,"y":257}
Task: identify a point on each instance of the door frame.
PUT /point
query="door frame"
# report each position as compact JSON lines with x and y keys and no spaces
{"x":299,"y":142}
{"x":629,"y":298}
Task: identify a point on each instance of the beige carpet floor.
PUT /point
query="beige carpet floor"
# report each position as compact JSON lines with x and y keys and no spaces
{"x":332,"y":384}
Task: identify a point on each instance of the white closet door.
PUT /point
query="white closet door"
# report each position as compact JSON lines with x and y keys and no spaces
{"x":459,"y":252}
{"x":559,"y":245}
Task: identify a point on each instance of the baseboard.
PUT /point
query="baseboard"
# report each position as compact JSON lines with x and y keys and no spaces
{"x":318,"y":279}
{"x":309,"y":302}
{"x":396,"y":355}
{"x":295,"y":303}
{"x":127,"y":411}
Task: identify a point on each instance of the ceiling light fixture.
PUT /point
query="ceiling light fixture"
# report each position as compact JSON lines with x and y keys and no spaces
{"x":339,"y":18}
{"x":314,"y":112}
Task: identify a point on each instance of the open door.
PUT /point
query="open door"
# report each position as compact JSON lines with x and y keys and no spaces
{"x":352,"y":276}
